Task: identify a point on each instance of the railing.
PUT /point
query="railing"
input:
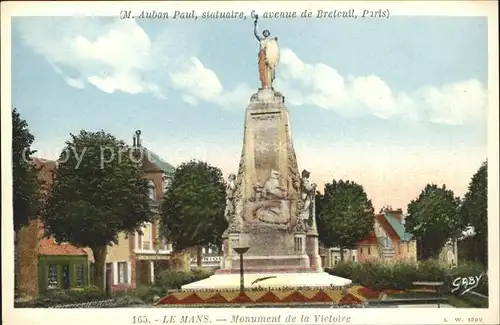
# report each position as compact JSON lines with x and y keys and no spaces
{"x":106,"y":303}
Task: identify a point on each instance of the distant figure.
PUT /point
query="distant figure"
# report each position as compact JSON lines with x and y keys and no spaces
{"x":230,"y":190}
{"x":269,"y":55}
{"x":308,"y":192}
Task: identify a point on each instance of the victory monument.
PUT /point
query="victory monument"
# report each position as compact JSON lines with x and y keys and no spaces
{"x":270,"y":205}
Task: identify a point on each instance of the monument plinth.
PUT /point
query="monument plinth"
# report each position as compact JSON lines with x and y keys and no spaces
{"x":269,"y":203}
{"x":267,"y":197}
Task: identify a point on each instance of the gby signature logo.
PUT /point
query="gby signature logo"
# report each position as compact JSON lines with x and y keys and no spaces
{"x":466,"y":284}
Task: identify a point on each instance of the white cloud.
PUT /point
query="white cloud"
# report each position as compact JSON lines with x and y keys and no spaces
{"x":77,"y":83}
{"x":321,"y":85}
{"x":111,"y":55}
{"x":118,"y":55}
{"x":197,"y":82}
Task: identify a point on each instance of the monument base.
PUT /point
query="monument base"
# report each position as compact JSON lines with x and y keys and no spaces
{"x":221,"y":281}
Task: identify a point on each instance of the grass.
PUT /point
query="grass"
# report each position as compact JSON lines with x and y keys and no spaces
{"x":412,"y":294}
{"x":466,"y":301}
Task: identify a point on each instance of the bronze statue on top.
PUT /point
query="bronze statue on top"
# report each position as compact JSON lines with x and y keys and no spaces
{"x":269,"y":56}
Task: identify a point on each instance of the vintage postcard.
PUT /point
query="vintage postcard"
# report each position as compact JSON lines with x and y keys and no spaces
{"x":250,"y":163}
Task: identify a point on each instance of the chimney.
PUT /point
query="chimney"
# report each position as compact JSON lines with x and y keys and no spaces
{"x":138,"y":138}
{"x":398,"y":214}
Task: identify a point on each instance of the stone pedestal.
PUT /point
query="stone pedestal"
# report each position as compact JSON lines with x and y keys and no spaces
{"x":271,"y":206}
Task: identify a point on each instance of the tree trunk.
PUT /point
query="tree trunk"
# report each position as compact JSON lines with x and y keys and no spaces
{"x":341,"y":254}
{"x":180,"y":260}
{"x":17,"y":265}
{"x":100,"y":263}
{"x":199,"y":256}
{"x":27,"y":263}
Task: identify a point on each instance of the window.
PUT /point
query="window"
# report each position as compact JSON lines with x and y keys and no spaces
{"x":163,"y":243}
{"x":52,"y":276}
{"x":298,"y":244}
{"x":145,"y":239}
{"x":369,"y":250}
{"x":354,"y":258}
{"x":79,"y":275}
{"x":122,"y":272}
{"x":336,"y":260}
{"x":152,"y":190}
{"x":361,"y":249}
{"x":408,"y":247}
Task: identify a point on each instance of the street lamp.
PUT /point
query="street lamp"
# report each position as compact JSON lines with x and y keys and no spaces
{"x":157,"y":252}
{"x":241,"y":251}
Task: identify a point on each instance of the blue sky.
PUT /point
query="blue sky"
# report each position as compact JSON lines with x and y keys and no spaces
{"x":387,"y":103}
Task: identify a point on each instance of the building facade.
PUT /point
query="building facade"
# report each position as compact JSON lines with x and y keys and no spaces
{"x":136,"y":257}
{"x":210,"y":257}
{"x":388,"y":240}
{"x":333,"y":256}
{"x":43,"y":263}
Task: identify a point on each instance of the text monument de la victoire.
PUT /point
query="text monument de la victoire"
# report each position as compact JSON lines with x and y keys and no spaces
{"x":269,"y":203}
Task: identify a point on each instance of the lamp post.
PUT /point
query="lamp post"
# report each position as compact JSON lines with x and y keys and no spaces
{"x":155,"y":265}
{"x":241,"y":251}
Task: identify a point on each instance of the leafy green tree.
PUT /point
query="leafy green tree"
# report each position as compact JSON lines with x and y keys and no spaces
{"x":344,"y":215}
{"x":433,"y":219}
{"x":192,"y":211}
{"x":99,"y":191}
{"x":26,"y":187}
{"x":25,"y":184}
{"x":474,"y":211}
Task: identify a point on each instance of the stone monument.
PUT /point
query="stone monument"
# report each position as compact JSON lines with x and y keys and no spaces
{"x":269,"y":203}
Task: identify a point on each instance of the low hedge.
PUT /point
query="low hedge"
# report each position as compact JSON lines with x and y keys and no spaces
{"x":399,"y":275}
{"x":53,"y":297}
{"x":168,"y":280}
{"x":89,"y":297}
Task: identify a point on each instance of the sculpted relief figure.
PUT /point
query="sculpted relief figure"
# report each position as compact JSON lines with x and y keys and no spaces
{"x":308,"y":192}
{"x":230,"y":191}
{"x":270,"y":203}
{"x":269,"y":55}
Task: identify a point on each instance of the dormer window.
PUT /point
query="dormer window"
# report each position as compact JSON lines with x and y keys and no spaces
{"x":152,"y":190}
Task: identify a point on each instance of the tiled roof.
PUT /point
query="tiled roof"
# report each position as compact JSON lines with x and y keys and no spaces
{"x":392,"y":226}
{"x":47,"y":246}
{"x":371,"y":239}
{"x":398,"y":227}
{"x":386,"y":226}
{"x":160,"y":163}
